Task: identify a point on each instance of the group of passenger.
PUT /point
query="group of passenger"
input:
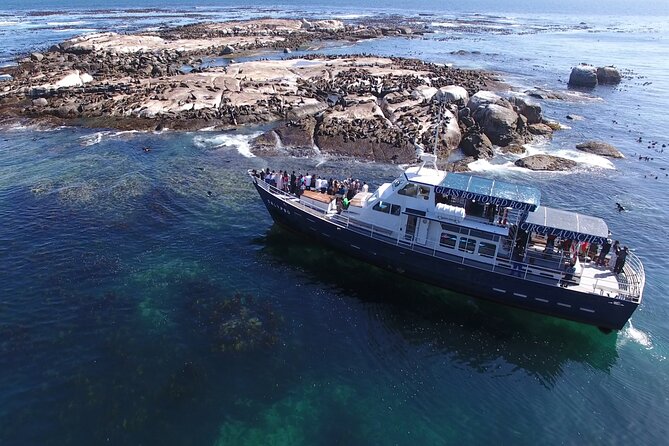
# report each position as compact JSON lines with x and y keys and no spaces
{"x":296,"y":183}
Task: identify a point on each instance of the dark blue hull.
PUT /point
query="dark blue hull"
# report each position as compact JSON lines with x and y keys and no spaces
{"x":548,"y":299}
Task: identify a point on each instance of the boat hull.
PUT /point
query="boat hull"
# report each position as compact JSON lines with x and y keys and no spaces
{"x":550,"y":299}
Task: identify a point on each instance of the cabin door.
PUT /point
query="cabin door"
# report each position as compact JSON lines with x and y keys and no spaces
{"x":410,"y":230}
{"x":422,"y":225}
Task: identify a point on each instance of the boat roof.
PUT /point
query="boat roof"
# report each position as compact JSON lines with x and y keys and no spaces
{"x":490,"y":191}
{"x":566,"y":224}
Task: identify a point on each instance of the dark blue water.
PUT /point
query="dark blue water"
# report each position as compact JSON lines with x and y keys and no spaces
{"x":147,"y":298}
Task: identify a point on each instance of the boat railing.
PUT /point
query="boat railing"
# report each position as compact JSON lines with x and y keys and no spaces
{"x":630,"y":287}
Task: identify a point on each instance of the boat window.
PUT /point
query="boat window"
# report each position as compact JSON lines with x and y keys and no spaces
{"x":395,"y":209}
{"x":382,"y":206}
{"x":487,"y":249}
{"x":448,"y":240}
{"x":467,"y":245}
{"x":450,"y":227}
{"x":423,"y":192}
{"x":481,"y":234}
{"x":409,"y":189}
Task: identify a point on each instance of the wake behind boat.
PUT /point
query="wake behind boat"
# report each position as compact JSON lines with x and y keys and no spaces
{"x":485,"y":238}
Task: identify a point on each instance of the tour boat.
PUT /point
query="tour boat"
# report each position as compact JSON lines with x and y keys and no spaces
{"x":477,"y":236}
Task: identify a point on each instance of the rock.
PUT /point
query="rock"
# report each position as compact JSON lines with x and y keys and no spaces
{"x":286,"y":51}
{"x":453,"y":93}
{"x":528,"y":108}
{"x":227,"y":49}
{"x":40,"y":102}
{"x":405,"y":30}
{"x":298,"y":134}
{"x":545,"y":162}
{"x":583,"y":76}
{"x":477,"y":145}
{"x":423,"y":92}
{"x":573,"y":117}
{"x":298,"y":113}
{"x":600,"y":148}
{"x":540,"y":129}
{"x":449,"y":134}
{"x":554,"y":125}
{"x":498,"y":123}
{"x":460,"y":165}
{"x":513,"y":148}
{"x":608,"y":75}
{"x":481,"y":99}
{"x":305,"y":24}
{"x":37,"y":57}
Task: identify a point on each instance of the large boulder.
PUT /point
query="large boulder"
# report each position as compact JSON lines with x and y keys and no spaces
{"x":545,"y":162}
{"x":600,"y":148}
{"x":498,"y":123}
{"x":481,"y":99}
{"x":424,"y":92}
{"x":227,"y":50}
{"x":608,"y":75}
{"x":298,"y":134}
{"x":362,"y":131}
{"x":528,"y":108}
{"x":583,"y":76}
{"x":540,"y":129}
{"x":477,"y":145}
{"x":453,"y":93}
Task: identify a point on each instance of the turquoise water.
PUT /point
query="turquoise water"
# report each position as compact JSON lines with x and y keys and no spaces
{"x":147,"y":298}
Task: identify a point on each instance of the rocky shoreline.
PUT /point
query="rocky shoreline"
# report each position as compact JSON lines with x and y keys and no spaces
{"x":185,"y":78}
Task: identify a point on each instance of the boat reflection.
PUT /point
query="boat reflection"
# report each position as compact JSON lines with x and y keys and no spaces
{"x":484,"y":336}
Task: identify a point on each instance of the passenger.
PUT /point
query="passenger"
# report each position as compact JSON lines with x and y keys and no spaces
{"x":365,"y":187}
{"x":293,"y":183}
{"x":606,"y":247}
{"x":570,"y":270}
{"x":620,"y":260}
{"x":517,"y":261}
{"x":279,"y":180}
{"x":312,"y":182}
{"x":615,"y":249}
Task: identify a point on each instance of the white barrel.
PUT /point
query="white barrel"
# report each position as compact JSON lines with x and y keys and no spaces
{"x":448,"y":212}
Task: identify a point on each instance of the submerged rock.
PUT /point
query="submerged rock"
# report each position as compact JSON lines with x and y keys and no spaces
{"x":545,"y":162}
{"x":583,"y":76}
{"x":608,"y":75}
{"x":600,"y":148}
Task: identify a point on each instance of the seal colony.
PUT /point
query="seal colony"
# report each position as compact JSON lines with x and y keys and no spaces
{"x":374,"y":108}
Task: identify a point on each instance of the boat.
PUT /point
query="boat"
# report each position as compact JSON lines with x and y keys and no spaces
{"x":477,"y":236}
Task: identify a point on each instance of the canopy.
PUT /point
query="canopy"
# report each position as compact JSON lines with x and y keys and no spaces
{"x":485,"y":190}
{"x":566,"y":225}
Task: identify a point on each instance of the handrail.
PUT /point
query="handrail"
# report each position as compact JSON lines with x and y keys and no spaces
{"x":634,"y":271}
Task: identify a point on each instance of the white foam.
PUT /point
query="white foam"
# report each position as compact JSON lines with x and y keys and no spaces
{"x":97,"y":137}
{"x":630,"y":333}
{"x":8,"y":23}
{"x":240,"y":142}
{"x":350,"y":16}
{"x":74,"y":23}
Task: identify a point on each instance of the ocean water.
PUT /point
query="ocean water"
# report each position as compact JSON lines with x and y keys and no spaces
{"x":147,"y":298}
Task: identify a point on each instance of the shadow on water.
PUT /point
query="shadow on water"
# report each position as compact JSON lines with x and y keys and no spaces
{"x":477,"y":332}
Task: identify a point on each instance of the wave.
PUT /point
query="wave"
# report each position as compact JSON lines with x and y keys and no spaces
{"x":633,"y":334}
{"x":73,"y":23}
{"x":76,"y":30}
{"x":98,"y":137}
{"x":241,"y":142}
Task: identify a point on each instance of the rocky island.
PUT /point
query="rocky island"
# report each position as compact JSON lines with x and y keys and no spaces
{"x":232,"y":74}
